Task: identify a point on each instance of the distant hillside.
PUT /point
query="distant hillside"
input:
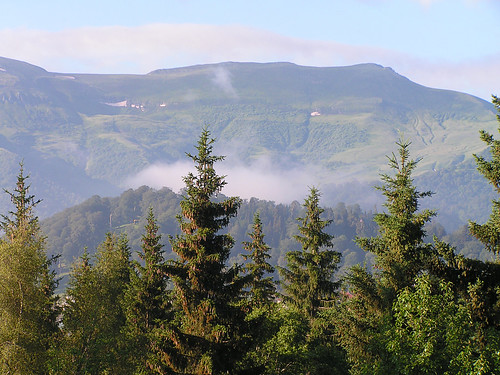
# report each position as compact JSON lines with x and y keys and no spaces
{"x":81,"y":135}
{"x":85,"y":225}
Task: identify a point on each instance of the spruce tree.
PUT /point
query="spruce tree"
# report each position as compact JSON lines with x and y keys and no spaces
{"x":310,"y":289}
{"x":209,"y":335}
{"x":400,"y":249}
{"x":262,"y":289}
{"x":489,"y":233}
{"x":483,"y":278}
{"x":364,"y":314}
{"x":81,"y":320}
{"x":28,"y":305}
{"x":93,"y":316}
{"x":147,"y":302}
{"x":308,"y":281}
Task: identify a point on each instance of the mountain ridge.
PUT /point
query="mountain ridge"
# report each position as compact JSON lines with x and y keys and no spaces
{"x":103,"y":129}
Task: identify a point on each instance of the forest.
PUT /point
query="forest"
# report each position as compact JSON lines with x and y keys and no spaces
{"x":419,"y":308}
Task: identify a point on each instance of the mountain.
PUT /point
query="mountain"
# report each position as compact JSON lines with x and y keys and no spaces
{"x":84,"y":134}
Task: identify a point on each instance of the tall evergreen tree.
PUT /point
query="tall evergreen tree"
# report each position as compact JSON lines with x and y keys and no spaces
{"x":208,"y":336}
{"x":489,"y":233}
{"x":308,"y":281}
{"x":310,"y":289}
{"x":262,"y":289}
{"x":93,"y":316}
{"x":28,"y":305}
{"x":483,"y":278}
{"x":400,"y":250}
{"x":82,"y":314}
{"x":147,"y":302}
{"x":365,"y":312}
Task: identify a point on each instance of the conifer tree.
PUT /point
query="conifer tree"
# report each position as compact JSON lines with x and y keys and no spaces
{"x":209,"y":334}
{"x":489,"y":233}
{"x":309,"y":287}
{"x":308,"y":281}
{"x":28,"y":305}
{"x":147,"y":302}
{"x":262,"y":289}
{"x":483,"y":278}
{"x":82,"y":319}
{"x":93,"y":317}
{"x":364,"y":314}
{"x":400,"y":249}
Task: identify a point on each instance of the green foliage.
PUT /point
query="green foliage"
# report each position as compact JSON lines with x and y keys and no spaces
{"x":489,"y":233}
{"x":28,"y":306}
{"x":147,"y":302}
{"x":308,"y":281}
{"x":262,"y":289}
{"x":209,"y":336}
{"x":400,"y":250}
{"x":429,"y":328}
{"x":434,"y":333}
{"x":360,"y":321}
{"x":289,"y":342}
{"x":93,"y":316}
{"x":285,"y":351}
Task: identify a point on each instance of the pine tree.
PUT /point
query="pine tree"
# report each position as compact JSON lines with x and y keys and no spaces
{"x":28,"y":305}
{"x":147,"y":302}
{"x":308,"y":281}
{"x":262,"y":289}
{"x":210,"y":329}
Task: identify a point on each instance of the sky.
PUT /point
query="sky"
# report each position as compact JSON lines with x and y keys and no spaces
{"x":450,"y":44}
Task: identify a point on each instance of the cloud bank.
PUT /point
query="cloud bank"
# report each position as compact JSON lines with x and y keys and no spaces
{"x":259,"y":179}
{"x":272,"y":181}
{"x":143,"y":49}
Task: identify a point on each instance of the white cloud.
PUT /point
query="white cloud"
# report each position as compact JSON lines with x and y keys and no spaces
{"x":479,"y":77}
{"x":426,"y":3}
{"x":260,"y":179}
{"x":263,"y":180}
{"x":146,"y":48}
{"x":222,"y":79}
{"x":161,"y":175}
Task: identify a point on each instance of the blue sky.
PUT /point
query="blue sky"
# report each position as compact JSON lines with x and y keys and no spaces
{"x":452,"y":44}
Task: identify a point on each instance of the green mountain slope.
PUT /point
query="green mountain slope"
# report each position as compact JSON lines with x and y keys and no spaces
{"x":81,"y":135}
